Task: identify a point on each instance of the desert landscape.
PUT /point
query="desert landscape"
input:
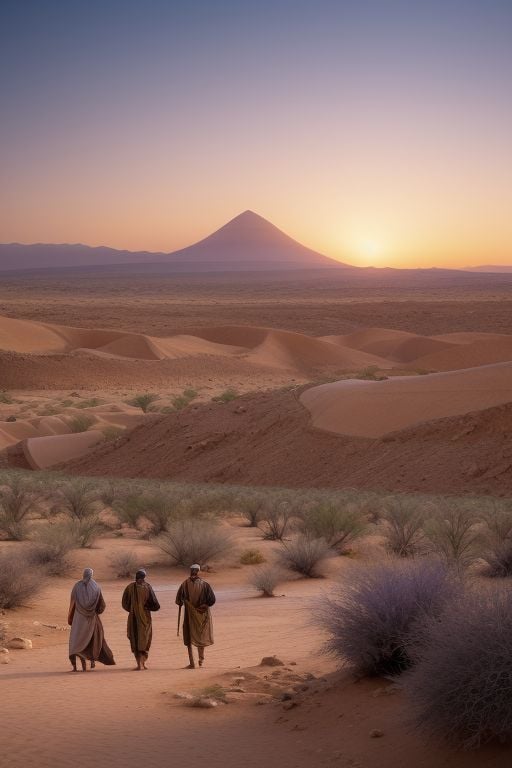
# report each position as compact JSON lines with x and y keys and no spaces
{"x":255,"y":384}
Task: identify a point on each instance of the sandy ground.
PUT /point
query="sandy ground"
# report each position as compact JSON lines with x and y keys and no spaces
{"x":115,"y":717}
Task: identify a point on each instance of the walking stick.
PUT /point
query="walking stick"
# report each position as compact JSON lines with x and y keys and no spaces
{"x":179,"y":619}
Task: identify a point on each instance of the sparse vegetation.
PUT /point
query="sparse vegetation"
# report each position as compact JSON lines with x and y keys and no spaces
{"x":251,"y":557}
{"x":194,"y":541}
{"x":18,"y":500}
{"x":275,"y":518}
{"x":51,"y":547}
{"x":452,"y":533}
{"x":5,"y":398}
{"x":111,"y":433}
{"x":459,"y":688}
{"x":251,"y":505}
{"x":266,"y":579}
{"x":375,"y":618}
{"x":338,"y":523}
{"x":496,"y":549}
{"x":403,"y":519}
{"x":19,"y":580}
{"x":143,"y":401}
{"x":80,"y":423}
{"x":124,"y":564}
{"x":304,"y":555}
{"x":226,"y":397}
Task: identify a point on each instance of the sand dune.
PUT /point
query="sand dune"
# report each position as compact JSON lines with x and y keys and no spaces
{"x":399,"y":346}
{"x":28,"y":336}
{"x":485,"y":351}
{"x":374,"y":408}
{"x":44,"y":452}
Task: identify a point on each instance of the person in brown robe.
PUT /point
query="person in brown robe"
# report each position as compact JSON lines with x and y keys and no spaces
{"x":87,"y":639}
{"x":139,"y":600}
{"x":197,"y":597}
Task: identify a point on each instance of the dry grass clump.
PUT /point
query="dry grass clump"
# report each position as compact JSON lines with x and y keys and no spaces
{"x":453,"y":533}
{"x":374,"y":619}
{"x":251,"y":506}
{"x":266,"y":579}
{"x":403,"y":519}
{"x":338,"y":523}
{"x":18,"y":500}
{"x":3,"y":633}
{"x":51,"y":547}
{"x":152,"y":511}
{"x":80,"y":423}
{"x":143,"y":401}
{"x":496,"y":549}
{"x":194,"y":541}
{"x":80,"y":501}
{"x":251,"y":557}
{"x":276,"y":517}
{"x":19,"y":580}
{"x":226,"y":397}
{"x":459,"y":688}
{"x":304,"y":555}
{"x":125,"y":564}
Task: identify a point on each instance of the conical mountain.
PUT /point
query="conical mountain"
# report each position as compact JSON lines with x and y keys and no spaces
{"x":250,"y":242}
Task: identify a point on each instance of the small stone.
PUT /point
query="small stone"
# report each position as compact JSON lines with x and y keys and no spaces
{"x":271,"y":661}
{"x":20,"y":643}
{"x":376,"y":733}
{"x":290,"y":704}
{"x":4,"y":656}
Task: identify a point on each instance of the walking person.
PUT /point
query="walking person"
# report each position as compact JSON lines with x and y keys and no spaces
{"x":197,"y":597}
{"x":87,"y":639}
{"x":139,"y":600}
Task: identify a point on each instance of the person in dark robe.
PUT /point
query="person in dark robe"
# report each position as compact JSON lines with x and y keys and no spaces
{"x":87,"y":639}
{"x":139,"y":600}
{"x":197,"y":597}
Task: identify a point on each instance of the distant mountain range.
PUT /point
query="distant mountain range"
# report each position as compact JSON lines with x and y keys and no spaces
{"x":247,"y":242}
{"x":490,"y":268}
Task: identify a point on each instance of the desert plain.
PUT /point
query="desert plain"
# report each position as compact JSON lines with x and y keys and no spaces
{"x":371,"y":384}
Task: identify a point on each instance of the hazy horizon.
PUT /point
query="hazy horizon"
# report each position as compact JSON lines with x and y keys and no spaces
{"x":376,"y":135}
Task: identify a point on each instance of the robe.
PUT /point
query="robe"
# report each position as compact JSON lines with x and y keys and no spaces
{"x":197,"y":624}
{"x":87,"y":638}
{"x":139,"y":625}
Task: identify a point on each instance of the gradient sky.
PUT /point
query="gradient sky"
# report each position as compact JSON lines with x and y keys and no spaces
{"x":377,"y":132}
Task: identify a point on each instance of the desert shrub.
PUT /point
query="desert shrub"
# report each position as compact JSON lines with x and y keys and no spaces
{"x":459,"y":688}
{"x":92,"y":402}
{"x":304,"y":555}
{"x":77,"y":498}
{"x":129,"y":508}
{"x":452,"y":532}
{"x":124,"y":564}
{"x":143,"y":401}
{"x":226,"y":397}
{"x":251,"y":557}
{"x":159,"y":509}
{"x":179,"y":402}
{"x":190,"y":394}
{"x":403,"y":525}
{"x":194,"y":541}
{"x":369,"y":374}
{"x":496,"y":550}
{"x":87,"y":530}
{"x":337,"y":523}
{"x":51,"y":547}
{"x":3,"y":633}
{"x":112,"y":433}
{"x":5,"y":398}
{"x":251,"y":506}
{"x":266,"y":579}
{"x":108,"y":493}
{"x":375,"y":619}
{"x":276,"y":517}
{"x":19,"y":580}
{"x":80,"y":423}
{"x":18,"y":500}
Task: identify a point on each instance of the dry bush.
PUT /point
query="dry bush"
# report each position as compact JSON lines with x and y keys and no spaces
{"x":251,"y":557}
{"x":266,"y":579}
{"x":194,"y":541}
{"x":226,"y":397}
{"x":251,"y":506}
{"x":403,"y":525}
{"x":452,"y":532}
{"x":338,"y":524}
{"x":18,"y":500}
{"x":496,"y":548}
{"x":304,"y":555}
{"x":159,"y":509}
{"x":3,"y":633}
{"x":51,"y":547}
{"x":80,"y":423}
{"x":19,"y":580}
{"x":459,"y":688}
{"x":86,"y":531}
{"x":78,"y":499}
{"x":276,"y":518}
{"x":374,"y":619}
{"x":129,"y":509}
{"x":143,"y":401}
{"x":125,"y":564}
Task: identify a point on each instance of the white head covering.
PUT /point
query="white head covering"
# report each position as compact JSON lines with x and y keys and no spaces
{"x":87,"y":574}
{"x":195,"y":567}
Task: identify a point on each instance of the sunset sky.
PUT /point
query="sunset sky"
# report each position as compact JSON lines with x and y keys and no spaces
{"x":377,"y":131}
